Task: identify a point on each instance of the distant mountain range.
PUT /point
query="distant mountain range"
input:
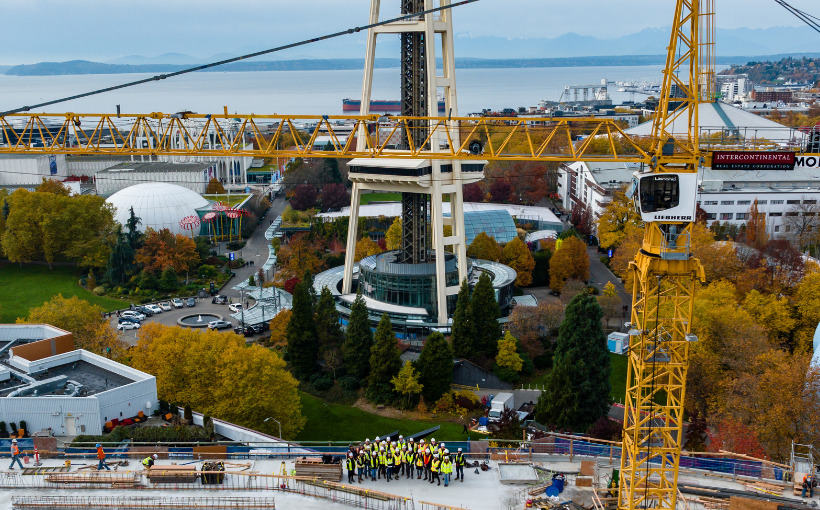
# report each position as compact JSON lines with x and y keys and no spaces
{"x":641,"y":48}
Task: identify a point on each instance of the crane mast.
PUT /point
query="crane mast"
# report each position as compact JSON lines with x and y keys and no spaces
{"x":664,"y":191}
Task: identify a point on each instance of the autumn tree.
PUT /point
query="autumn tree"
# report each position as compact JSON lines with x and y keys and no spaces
{"x":304,"y":197}
{"x":508,"y":361}
{"x":85,"y":321}
{"x":358,"y":340}
{"x":279,"y":328}
{"x":366,"y":247}
{"x":214,"y":187}
{"x":610,"y":302}
{"x":581,"y":218}
{"x":53,"y":186}
{"x":529,"y":181}
{"x":525,"y":325}
{"x":485,"y":317}
{"x":435,"y":366}
{"x":500,"y":190}
{"x":334,"y":196}
{"x":618,"y":216}
{"x":577,"y":388}
{"x":800,"y":222}
{"x":163,"y":249}
{"x":407,"y":382}
{"x":485,"y":247}
{"x":462,"y":332}
{"x":393,"y":235}
{"x":303,"y":346}
{"x":246,"y":384}
{"x":756,"y":235}
{"x":384,"y":362}
{"x":570,"y":260}
{"x":473,"y":192}
{"x":516,"y":255}
{"x":299,"y":255}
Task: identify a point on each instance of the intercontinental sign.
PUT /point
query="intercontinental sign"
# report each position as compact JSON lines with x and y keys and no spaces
{"x":723,"y":160}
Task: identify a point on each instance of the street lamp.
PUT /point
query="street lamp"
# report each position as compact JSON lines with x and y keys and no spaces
{"x":277,"y":421}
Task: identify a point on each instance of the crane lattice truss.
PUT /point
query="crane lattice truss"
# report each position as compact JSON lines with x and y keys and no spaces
{"x":665,"y":274}
{"x":543,"y":138}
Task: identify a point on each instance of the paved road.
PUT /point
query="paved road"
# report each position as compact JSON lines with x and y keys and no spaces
{"x":255,"y":249}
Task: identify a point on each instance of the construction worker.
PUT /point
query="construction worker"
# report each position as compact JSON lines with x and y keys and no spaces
{"x":15,"y":454}
{"x":447,"y":470}
{"x":808,"y":484}
{"x":409,"y":457}
{"x":460,"y":462}
{"x":382,"y":461}
{"x":373,"y":464}
{"x":101,"y":456}
{"x":388,"y":464}
{"x":428,"y":459}
{"x":435,"y":467}
{"x":147,"y":462}
{"x":419,"y":464}
{"x":351,"y":467}
{"x":398,"y":462}
{"x":360,"y":461}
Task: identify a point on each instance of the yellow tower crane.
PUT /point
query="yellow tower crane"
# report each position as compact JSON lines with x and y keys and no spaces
{"x":664,"y":191}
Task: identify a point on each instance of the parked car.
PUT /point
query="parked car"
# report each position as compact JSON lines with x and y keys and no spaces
{"x":128,"y":325}
{"x":220,"y":300}
{"x":144,"y":310}
{"x":264,"y":326}
{"x":191,"y":302}
{"x":133,"y":313}
{"x":177,"y":303}
{"x":235,"y":307}
{"x":165,"y":305}
{"x":127,"y":319}
{"x":219,"y":324}
{"x":153,"y":308}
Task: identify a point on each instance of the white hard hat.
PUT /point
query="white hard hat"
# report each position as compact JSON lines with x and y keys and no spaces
{"x":459,"y":449}
{"x":377,"y":438}
{"x":435,"y":455}
{"x":367,"y":440}
{"x":411,"y":439}
{"x":447,"y":451}
{"x":421,"y":441}
{"x":401,"y":437}
{"x":155,"y":456}
{"x":13,"y":440}
{"x":432,"y":439}
{"x":349,"y":454}
{"x":442,"y":445}
{"x":404,"y":447}
{"x":381,"y":449}
{"x":427,"y":450}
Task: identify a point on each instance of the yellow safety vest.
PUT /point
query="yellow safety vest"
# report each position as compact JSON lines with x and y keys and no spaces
{"x":435,"y":465}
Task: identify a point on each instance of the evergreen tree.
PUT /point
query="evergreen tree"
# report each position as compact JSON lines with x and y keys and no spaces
{"x":358,"y":340}
{"x":435,"y":365}
{"x":169,"y":281}
{"x":462,"y":334}
{"x":121,"y":259}
{"x":330,"y":167}
{"x":385,"y":362}
{"x":485,"y":317}
{"x":328,"y":330}
{"x":307,"y":277}
{"x":303,"y":346}
{"x":541,"y":272}
{"x":577,"y":388}
{"x":132,"y":230}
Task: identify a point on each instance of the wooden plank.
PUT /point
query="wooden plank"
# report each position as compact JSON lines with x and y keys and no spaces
{"x":587,"y":468}
{"x":738,"y":503}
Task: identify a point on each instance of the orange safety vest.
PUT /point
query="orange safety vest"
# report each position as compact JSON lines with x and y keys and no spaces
{"x":427,"y":458}
{"x":14,"y":450}
{"x":100,"y":453}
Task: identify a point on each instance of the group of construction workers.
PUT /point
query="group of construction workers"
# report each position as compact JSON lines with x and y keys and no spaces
{"x":393,"y":459}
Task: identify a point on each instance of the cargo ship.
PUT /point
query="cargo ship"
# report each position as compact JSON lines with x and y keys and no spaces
{"x":380,"y":105}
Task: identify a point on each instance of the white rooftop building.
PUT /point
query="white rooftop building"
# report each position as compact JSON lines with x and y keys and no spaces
{"x":158,"y":205}
{"x":50,"y":385}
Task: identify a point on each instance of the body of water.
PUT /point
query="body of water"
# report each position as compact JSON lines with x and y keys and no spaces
{"x":305,"y":92}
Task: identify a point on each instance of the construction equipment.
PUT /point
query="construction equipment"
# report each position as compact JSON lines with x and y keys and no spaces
{"x":664,"y":191}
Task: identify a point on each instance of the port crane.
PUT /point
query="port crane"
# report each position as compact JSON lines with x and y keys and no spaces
{"x":663,"y":190}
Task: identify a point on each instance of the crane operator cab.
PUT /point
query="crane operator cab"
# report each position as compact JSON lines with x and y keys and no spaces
{"x":665,"y":197}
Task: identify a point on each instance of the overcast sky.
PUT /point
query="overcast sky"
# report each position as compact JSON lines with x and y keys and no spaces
{"x":56,"y":30}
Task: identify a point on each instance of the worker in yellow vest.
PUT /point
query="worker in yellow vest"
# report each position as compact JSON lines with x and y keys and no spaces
{"x":435,"y":468}
{"x":460,"y":462}
{"x":419,"y":464}
{"x":382,"y":461}
{"x":351,"y":467}
{"x":360,"y":460}
{"x":409,"y":459}
{"x":446,"y":470}
{"x":373,"y":465}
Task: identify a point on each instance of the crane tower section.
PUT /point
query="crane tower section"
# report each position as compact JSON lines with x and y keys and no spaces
{"x":665,"y":276}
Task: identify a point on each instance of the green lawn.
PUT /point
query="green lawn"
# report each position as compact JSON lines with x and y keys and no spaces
{"x":379,"y":197}
{"x":327,"y":421}
{"x":232,"y":199}
{"x":30,"y":286}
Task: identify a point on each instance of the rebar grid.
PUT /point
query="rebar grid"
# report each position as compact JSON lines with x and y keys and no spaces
{"x":139,"y":502}
{"x":233,"y":481}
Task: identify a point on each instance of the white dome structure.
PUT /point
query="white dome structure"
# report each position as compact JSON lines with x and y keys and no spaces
{"x":158,"y":205}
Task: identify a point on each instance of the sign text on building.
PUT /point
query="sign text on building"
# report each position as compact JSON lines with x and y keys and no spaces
{"x":723,"y":160}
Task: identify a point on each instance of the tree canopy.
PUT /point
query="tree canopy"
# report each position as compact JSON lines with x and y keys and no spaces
{"x":516,"y":255}
{"x":462,"y":334}
{"x":570,"y":261}
{"x":485,"y":317}
{"x":303,"y":346}
{"x":358,"y":341}
{"x":435,"y":366}
{"x":384,"y":362}
{"x":484,"y":247}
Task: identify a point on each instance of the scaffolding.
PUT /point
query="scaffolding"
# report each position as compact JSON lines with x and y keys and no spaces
{"x":139,"y":502}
